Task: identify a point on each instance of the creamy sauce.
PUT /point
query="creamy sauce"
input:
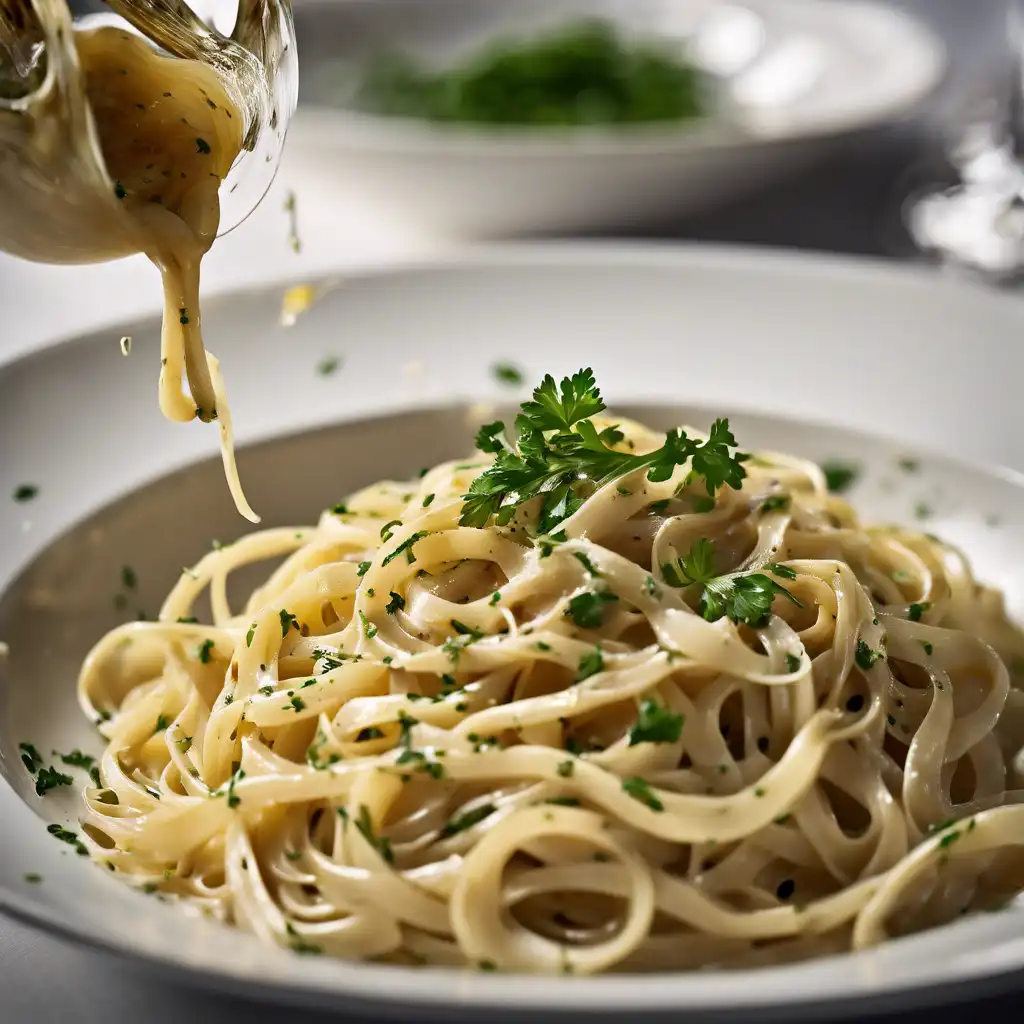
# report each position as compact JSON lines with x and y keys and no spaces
{"x":169,"y":134}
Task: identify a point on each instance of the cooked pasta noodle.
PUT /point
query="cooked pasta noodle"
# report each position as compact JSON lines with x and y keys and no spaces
{"x":467,"y":745}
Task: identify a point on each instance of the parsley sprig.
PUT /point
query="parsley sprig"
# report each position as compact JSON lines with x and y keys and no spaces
{"x":559,"y":456}
{"x":742,"y":597}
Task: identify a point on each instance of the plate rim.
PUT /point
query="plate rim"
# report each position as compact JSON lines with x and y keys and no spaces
{"x":721,"y":258}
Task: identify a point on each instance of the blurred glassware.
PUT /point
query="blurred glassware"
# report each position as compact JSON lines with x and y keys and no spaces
{"x":51,"y":161}
{"x":977,"y":223}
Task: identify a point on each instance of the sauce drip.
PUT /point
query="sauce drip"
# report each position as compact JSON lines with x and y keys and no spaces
{"x":169,"y":134}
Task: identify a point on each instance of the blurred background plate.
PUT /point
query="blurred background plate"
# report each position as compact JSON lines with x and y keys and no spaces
{"x":790,"y":77}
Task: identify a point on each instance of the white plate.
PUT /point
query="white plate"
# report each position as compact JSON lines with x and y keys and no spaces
{"x":794,"y":73}
{"x":908,"y":357}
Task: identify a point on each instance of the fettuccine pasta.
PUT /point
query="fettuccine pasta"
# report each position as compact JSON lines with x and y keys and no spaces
{"x":431,"y":743}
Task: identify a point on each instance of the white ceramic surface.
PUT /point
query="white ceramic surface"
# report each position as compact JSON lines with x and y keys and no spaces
{"x":910,"y":358}
{"x":795,"y":74}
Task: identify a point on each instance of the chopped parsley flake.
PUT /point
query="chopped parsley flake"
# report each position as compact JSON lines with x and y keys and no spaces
{"x":204,"y":651}
{"x":30,"y":757}
{"x":162,"y":722}
{"x":369,"y":629}
{"x":364,"y":568}
{"x":840,"y":476}
{"x":566,"y":768}
{"x":917,"y":610}
{"x":51,"y":778}
{"x":25,"y":492}
{"x":406,"y":546}
{"x":639,"y":789}
{"x":287,"y":621}
{"x":507,"y":374}
{"x":590,"y":664}
{"x":202,"y":146}
{"x":64,"y":835}
{"x":587,"y":564}
{"x":380,"y":843}
{"x":865,"y":656}
{"x":928,"y":648}
{"x":792,"y":663}
{"x":396,"y":604}
{"x":76,"y":759}
{"x":587,"y":609}
{"x":428,"y":501}
{"x":328,"y":366}
{"x":467,"y":820}
{"x":656,"y":724}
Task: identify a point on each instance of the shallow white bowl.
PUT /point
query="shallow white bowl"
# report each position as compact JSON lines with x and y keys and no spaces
{"x":795,"y":74}
{"x":894,"y":360}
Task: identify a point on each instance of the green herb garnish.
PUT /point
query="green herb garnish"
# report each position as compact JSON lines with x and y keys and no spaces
{"x":590,"y":664}
{"x":587,"y":609}
{"x":656,"y":724}
{"x":560,"y":457}
{"x":640,"y":790}
{"x":580,"y":74}
{"x":467,"y":820}
{"x":839,"y":476}
{"x":380,"y":843}
{"x":51,"y":778}
{"x":506,"y":373}
{"x":865,"y":656}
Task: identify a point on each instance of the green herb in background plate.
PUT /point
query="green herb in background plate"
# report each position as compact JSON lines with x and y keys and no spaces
{"x":585,"y":73}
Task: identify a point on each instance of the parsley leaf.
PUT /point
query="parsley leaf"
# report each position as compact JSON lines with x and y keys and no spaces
{"x":579,"y":400}
{"x":640,"y":790}
{"x":30,"y":757}
{"x":590,"y":664}
{"x":203,"y":653}
{"x":656,"y":724}
{"x":865,"y":656}
{"x":839,"y":476}
{"x":508,"y":374}
{"x":915,"y":611}
{"x":287,"y":621}
{"x":396,"y":604}
{"x":745,"y":598}
{"x":696,"y":567}
{"x":405,"y":546}
{"x":380,"y":843}
{"x":467,"y":820}
{"x":76,"y":759}
{"x":587,"y":609}
{"x":50,"y":778}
